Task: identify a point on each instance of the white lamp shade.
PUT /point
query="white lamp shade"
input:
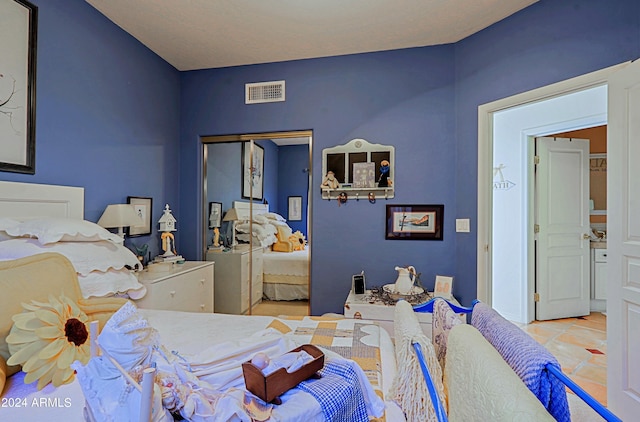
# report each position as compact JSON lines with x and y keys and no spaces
{"x":119,"y":216}
{"x":231,"y":215}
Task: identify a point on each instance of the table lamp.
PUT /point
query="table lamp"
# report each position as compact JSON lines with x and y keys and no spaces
{"x":232,"y":216}
{"x":120,"y":216}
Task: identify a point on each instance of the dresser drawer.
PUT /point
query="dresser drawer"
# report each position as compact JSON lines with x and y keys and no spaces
{"x":189,"y":291}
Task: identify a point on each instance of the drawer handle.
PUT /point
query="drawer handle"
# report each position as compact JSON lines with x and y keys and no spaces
{"x":604,"y":254}
{"x":202,"y":306}
{"x":172,"y":292}
{"x":202,"y":281}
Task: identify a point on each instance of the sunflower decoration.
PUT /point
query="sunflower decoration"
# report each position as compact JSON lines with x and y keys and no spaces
{"x":47,"y":338}
{"x":298,"y":240}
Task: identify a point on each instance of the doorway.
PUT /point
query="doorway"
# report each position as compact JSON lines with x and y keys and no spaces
{"x":506,"y":249}
{"x":254,"y":179}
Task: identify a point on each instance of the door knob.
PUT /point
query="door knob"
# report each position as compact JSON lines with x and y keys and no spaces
{"x":586,"y":236}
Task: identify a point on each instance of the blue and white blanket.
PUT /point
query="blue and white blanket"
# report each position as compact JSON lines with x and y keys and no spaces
{"x":338,"y":392}
{"x":526,"y":357}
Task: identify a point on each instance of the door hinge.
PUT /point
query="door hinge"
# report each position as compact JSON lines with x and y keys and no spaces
{"x":536,"y":228}
{"x":536,"y":297}
{"x":536,"y":159}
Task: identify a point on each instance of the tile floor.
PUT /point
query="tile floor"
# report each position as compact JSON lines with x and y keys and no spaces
{"x":580,"y":345}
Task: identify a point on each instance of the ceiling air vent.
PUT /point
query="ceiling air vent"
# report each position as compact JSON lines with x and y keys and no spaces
{"x":264,"y":92}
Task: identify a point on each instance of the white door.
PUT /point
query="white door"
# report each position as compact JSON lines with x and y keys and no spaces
{"x":623,"y":245}
{"x":562,"y":216}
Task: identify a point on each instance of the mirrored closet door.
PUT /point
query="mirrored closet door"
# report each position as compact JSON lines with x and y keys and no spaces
{"x":256,"y":225}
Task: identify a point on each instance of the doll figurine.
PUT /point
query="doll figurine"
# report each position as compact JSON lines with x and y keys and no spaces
{"x":330,"y":181}
{"x":384,"y":180}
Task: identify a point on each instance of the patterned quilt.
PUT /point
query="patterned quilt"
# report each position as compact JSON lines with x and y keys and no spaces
{"x":352,"y":339}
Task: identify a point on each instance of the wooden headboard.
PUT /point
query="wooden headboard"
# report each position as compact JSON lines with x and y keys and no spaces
{"x":31,"y":200}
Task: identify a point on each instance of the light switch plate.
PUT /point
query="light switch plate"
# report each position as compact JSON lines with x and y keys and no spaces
{"x":463,"y":225}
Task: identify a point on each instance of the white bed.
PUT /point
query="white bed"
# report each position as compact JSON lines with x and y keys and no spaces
{"x":285,"y":274}
{"x":56,"y":213}
{"x":185,"y":332}
{"x":67,"y":402}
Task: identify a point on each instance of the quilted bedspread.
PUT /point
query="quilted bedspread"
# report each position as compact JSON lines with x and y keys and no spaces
{"x":480,"y":386}
{"x":526,"y":357}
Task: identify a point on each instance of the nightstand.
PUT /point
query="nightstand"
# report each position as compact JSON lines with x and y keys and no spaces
{"x":360,"y":307}
{"x":232,"y":278}
{"x":184,"y":287}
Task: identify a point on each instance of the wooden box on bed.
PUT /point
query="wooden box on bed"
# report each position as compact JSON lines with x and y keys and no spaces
{"x":270,"y":387}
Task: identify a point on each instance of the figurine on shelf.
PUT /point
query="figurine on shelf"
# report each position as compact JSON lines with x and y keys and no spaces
{"x":216,"y":238}
{"x":168,"y":225}
{"x":330,"y":181}
{"x":384,"y":180}
{"x":141,"y":252}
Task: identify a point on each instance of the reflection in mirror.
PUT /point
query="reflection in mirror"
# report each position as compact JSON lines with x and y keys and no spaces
{"x":266,"y":270}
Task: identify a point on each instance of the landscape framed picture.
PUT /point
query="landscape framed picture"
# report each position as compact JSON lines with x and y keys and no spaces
{"x":18,"y":35}
{"x":414,"y":222}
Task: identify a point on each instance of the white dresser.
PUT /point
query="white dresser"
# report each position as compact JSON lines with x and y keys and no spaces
{"x":185,"y":287}
{"x":232,"y":278}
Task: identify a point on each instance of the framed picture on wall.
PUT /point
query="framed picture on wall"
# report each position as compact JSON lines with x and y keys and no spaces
{"x":215,"y":214}
{"x":144,"y":208}
{"x":414,"y":222}
{"x":252,"y":171}
{"x":295,"y":208}
{"x":18,"y":34}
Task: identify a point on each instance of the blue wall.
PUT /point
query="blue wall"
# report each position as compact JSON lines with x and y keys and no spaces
{"x":293,"y":181}
{"x":107,"y":113}
{"x":404,"y":98}
{"x":115,"y":118}
{"x":545,"y":43}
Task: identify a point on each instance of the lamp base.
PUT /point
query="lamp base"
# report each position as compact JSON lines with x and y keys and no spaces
{"x":172,"y":258}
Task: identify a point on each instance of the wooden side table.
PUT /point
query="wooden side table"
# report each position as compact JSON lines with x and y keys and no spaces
{"x":360,"y":307}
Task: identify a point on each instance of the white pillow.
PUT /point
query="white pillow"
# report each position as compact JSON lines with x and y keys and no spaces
{"x":53,"y":229}
{"x":267,"y":241}
{"x":278,"y":223}
{"x":85,"y":256}
{"x":7,"y":224}
{"x":259,"y":231}
{"x":274,"y":216}
{"x":111,"y":282}
{"x":260,"y":219}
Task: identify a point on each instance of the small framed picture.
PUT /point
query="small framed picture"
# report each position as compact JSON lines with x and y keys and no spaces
{"x":215,"y":214}
{"x":295,"y":208}
{"x":252,"y":171}
{"x":443,"y":287}
{"x":143,"y":207}
{"x":414,"y":222}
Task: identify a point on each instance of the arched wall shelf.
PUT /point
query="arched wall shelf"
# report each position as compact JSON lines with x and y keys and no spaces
{"x":367,"y":158}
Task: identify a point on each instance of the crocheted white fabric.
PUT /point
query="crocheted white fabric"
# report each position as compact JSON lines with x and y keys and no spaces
{"x":409,"y":389}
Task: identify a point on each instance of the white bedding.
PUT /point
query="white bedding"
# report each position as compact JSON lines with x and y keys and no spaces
{"x":286,"y":275}
{"x":294,"y":263}
{"x":189,"y":333}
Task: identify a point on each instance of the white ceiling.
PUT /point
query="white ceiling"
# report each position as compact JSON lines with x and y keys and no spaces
{"x":202,"y":34}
